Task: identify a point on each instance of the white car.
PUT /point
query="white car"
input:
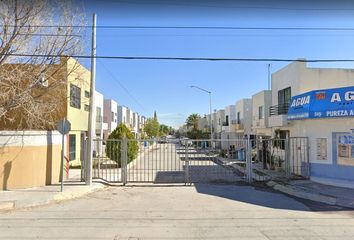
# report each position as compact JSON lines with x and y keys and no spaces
{"x":186,"y":141}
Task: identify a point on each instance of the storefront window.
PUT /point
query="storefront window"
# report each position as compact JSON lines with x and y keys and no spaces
{"x":345,"y":149}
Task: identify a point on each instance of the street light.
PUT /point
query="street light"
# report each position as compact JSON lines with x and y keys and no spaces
{"x":209,"y":92}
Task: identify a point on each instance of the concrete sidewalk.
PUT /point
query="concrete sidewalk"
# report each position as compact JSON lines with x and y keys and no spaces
{"x":32,"y":197}
{"x":310,"y":190}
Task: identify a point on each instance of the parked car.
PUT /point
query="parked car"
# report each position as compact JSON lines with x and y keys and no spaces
{"x":163,"y":140}
{"x":186,"y":141}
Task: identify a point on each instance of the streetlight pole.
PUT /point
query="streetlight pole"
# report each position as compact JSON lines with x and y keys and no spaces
{"x":91,"y":128}
{"x":210,"y":109}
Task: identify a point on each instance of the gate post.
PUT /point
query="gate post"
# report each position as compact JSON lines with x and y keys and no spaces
{"x":287,"y":158}
{"x":99,"y":142}
{"x":249,"y":160}
{"x":124,"y":160}
{"x":308,"y":165}
{"x":186,"y":170}
{"x":83,"y":162}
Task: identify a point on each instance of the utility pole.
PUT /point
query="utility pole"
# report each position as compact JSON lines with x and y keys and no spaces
{"x":211,"y":126}
{"x":269,"y":79}
{"x":91,"y":126}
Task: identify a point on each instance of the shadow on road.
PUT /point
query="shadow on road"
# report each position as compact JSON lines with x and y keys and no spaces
{"x":262,"y":197}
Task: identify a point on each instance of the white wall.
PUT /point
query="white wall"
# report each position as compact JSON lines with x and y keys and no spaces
{"x":110,"y":107}
{"x":261,"y":126}
{"x":320,"y":128}
{"x":99,"y":102}
{"x":244,"y":106}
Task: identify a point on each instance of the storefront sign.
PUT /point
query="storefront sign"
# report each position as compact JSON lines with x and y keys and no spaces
{"x":328,"y":103}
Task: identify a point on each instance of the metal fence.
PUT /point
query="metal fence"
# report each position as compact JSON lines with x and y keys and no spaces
{"x":280,"y":158}
{"x":188,"y":161}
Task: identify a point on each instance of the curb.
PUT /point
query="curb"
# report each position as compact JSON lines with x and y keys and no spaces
{"x":72,"y":195}
{"x":56,"y":198}
{"x":302,"y":193}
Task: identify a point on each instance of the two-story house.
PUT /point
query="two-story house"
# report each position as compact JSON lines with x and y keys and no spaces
{"x":316,"y":103}
{"x":261,"y":103}
{"x":110,"y":116}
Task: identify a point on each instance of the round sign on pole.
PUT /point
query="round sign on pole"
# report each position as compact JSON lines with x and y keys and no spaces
{"x":64,"y":126}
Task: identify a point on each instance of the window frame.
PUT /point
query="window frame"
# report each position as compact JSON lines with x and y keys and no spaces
{"x":72,"y":144}
{"x":75,"y":96}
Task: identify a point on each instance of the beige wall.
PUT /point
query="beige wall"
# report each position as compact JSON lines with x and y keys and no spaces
{"x":27,"y":161}
{"x":263,"y":98}
{"x":80,"y":77}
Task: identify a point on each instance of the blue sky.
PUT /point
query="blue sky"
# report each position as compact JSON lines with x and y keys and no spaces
{"x":164,"y":85}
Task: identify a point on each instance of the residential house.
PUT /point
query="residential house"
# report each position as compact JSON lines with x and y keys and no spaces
{"x":135,"y":125}
{"x":110,"y":116}
{"x":68,"y":84}
{"x":316,"y":103}
{"x":261,"y":103}
{"x":142,"y":121}
{"x":100,"y":126}
{"x":228,"y":128}
{"x":243,"y":126}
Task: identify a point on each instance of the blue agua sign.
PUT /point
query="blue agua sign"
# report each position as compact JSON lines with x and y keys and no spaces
{"x":327,"y":103}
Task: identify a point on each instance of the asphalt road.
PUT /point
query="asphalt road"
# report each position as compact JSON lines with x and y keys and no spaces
{"x":203,"y":211}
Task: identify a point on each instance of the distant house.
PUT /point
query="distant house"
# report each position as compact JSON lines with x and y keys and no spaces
{"x":110,"y":116}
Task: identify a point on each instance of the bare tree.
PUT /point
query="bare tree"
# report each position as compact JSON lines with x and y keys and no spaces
{"x":36,"y":36}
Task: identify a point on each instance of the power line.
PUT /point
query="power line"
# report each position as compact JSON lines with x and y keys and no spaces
{"x":121,"y":85}
{"x":232,"y":7}
{"x":193,"y":27}
{"x":184,"y":58}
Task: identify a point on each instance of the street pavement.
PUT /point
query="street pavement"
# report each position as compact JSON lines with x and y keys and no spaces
{"x":203,"y":211}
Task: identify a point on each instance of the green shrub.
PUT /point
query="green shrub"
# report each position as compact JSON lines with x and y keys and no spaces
{"x":113,"y":148}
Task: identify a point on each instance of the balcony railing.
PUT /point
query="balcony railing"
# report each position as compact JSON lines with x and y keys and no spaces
{"x":280,"y":109}
{"x":238,"y":126}
{"x":233,"y":122}
{"x":225,"y":124}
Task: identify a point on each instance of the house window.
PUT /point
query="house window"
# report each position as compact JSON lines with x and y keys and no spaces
{"x":75,"y":96}
{"x":227,"y":120}
{"x":260,"y":112}
{"x":238,"y":118}
{"x":98,"y":115}
{"x":112,"y":114}
{"x":72,"y":147}
{"x":87,"y":108}
{"x":284,"y":96}
{"x":87,"y":94}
